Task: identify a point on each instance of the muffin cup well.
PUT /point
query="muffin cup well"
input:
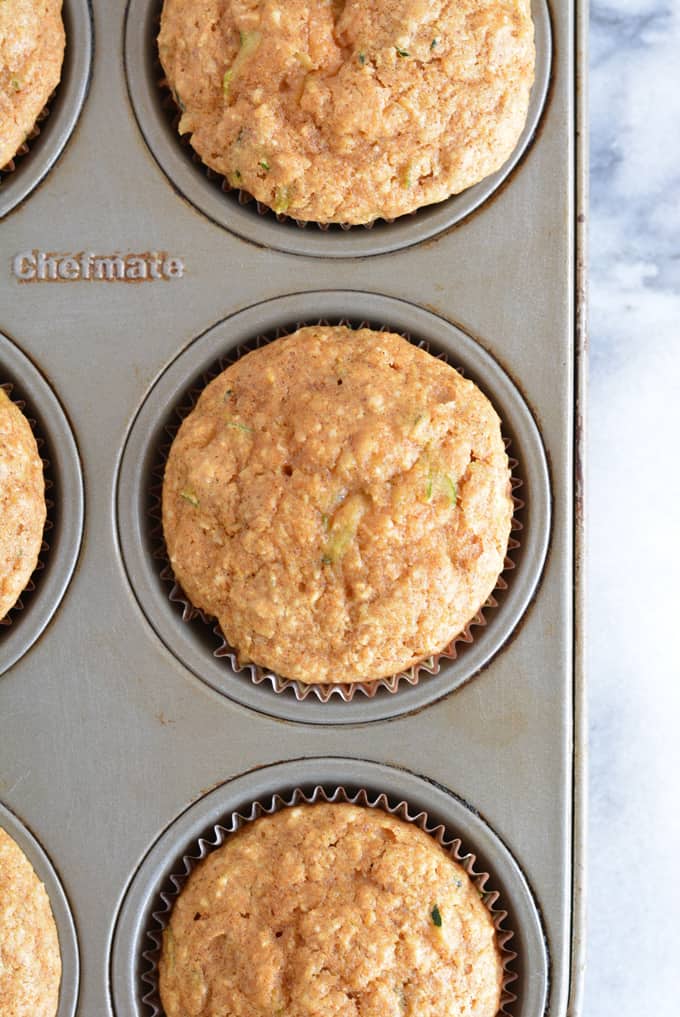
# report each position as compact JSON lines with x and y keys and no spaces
{"x":140,"y":478}
{"x":64,"y":498}
{"x":346,"y":691}
{"x":61,"y":911}
{"x":43,"y":554}
{"x":54,"y":125}
{"x":155,"y":110}
{"x":206,"y":820}
{"x":220,"y":832}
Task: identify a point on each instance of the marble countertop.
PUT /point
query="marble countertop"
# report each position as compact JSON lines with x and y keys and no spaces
{"x":634,"y":511}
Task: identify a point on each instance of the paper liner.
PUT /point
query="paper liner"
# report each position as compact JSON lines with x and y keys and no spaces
{"x":258,"y":675}
{"x":267,"y":807}
{"x":25,"y":596}
{"x":25,"y":146}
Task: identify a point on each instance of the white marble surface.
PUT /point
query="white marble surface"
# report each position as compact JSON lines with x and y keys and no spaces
{"x":634,"y":511}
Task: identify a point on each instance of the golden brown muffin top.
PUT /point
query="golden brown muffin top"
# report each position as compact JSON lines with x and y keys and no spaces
{"x":340,"y":501}
{"x":346,"y":111}
{"x":330,"y":911}
{"x":22,"y":502}
{"x":30,"y":962}
{"x":31,"y":54}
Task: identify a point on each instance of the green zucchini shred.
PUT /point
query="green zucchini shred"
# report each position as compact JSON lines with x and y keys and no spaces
{"x":440,"y":483}
{"x":249,"y":43}
{"x":236,"y":425}
{"x":343,"y":529}
{"x":281,"y":201}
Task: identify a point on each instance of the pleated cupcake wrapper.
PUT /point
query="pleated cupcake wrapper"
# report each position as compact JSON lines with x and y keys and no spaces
{"x":259,"y":675}
{"x":234,"y":822}
{"x":24,"y":599}
{"x":25,"y":147}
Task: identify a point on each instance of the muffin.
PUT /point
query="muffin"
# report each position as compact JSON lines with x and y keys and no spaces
{"x":347,"y":112}
{"x":30,"y":962}
{"x":330,"y":909}
{"x":340,"y":501}
{"x":31,"y":54}
{"x":22,"y":502}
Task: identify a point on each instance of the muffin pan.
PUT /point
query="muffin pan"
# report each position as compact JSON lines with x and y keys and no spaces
{"x":157,"y":116}
{"x":59,"y":117}
{"x":122,"y":738}
{"x":63,"y":919}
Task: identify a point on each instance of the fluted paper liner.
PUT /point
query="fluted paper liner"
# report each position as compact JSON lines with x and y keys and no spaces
{"x":25,"y":597}
{"x":258,"y":675}
{"x":201,"y":848}
{"x":25,"y":147}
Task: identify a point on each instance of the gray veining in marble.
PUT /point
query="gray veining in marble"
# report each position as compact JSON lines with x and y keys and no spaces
{"x":634,"y":511}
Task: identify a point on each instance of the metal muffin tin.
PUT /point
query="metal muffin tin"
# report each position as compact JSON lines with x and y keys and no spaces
{"x":112,"y":736}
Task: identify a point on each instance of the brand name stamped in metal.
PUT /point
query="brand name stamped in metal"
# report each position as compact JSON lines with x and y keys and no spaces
{"x":38,"y":266}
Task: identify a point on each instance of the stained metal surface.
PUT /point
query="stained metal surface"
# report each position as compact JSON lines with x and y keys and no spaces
{"x":580,"y":805}
{"x":105,"y":735}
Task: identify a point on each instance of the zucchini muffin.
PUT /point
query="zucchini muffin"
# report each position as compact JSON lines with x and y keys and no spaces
{"x":332,"y":910}
{"x":340,"y":501}
{"x":30,"y":961}
{"x":22,"y":502}
{"x":31,"y":54}
{"x":347,"y":111}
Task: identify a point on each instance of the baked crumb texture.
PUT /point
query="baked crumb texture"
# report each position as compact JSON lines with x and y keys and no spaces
{"x":22,"y":502}
{"x":350,"y":111}
{"x":330,"y":911}
{"x":340,"y":501}
{"x":31,"y":55}
{"x":30,"y":962}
